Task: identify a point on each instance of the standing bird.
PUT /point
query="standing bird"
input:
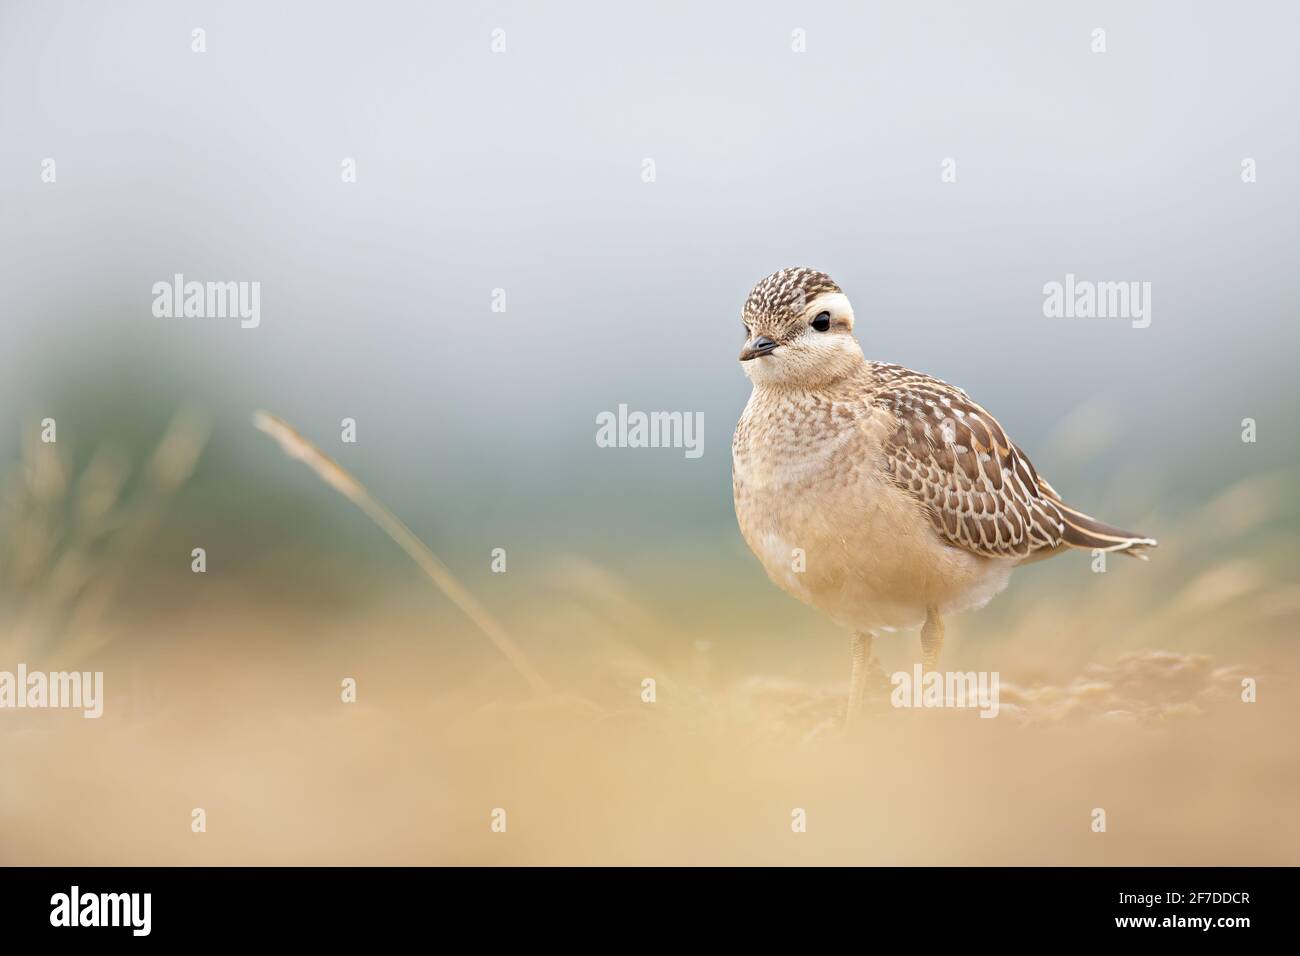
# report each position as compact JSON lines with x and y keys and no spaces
{"x":881,"y":496}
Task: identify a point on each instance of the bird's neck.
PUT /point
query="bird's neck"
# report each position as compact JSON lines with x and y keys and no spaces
{"x":847,"y":381}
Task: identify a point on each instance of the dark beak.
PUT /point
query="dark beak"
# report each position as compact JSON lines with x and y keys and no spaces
{"x":759,"y":346}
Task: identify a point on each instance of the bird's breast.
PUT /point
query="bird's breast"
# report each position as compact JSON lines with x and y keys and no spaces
{"x":800,"y":472}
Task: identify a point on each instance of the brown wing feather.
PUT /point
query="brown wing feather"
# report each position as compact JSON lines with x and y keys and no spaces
{"x":980,"y":490}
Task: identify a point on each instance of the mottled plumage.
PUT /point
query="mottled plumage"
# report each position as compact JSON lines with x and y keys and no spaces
{"x":882,"y":496}
{"x":785,"y":294}
{"x":980,"y":489}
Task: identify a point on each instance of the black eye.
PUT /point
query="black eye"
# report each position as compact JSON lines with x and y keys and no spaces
{"x":822,"y":322}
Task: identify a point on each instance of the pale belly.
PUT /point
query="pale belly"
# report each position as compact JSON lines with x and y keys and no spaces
{"x":833,"y":533}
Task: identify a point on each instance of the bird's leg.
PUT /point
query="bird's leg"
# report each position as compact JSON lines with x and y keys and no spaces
{"x":861,"y":647}
{"x":931,"y":639}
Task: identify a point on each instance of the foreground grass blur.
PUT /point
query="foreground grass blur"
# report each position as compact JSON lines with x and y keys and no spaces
{"x":1120,"y":692}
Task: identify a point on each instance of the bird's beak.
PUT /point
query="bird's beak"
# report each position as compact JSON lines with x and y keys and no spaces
{"x":756,"y":347}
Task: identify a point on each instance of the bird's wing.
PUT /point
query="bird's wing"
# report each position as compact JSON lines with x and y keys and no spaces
{"x":980,"y":491}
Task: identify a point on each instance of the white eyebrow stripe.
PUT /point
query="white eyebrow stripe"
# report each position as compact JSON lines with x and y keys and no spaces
{"x":836,"y":303}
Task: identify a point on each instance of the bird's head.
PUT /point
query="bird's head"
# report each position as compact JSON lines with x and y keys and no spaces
{"x":798,"y":330}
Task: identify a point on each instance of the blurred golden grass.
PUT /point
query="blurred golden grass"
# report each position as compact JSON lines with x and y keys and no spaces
{"x":1121,"y":691}
{"x":440,"y":736}
{"x":72,"y":538}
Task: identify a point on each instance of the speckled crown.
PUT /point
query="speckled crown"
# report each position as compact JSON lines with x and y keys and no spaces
{"x":785,"y":293}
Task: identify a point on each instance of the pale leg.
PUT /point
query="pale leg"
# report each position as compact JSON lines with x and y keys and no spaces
{"x":931,"y":639}
{"x":861,"y":647}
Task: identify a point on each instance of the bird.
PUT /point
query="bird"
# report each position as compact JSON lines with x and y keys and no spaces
{"x":883,"y":497}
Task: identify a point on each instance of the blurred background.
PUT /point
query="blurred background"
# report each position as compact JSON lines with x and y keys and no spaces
{"x":522,"y":170}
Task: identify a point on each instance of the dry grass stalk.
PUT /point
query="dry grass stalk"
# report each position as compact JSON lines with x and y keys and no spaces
{"x":293,"y":444}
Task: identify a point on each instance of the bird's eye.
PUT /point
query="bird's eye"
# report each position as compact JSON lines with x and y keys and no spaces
{"x":822,"y":322}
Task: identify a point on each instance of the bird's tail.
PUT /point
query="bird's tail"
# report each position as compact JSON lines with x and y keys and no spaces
{"x":1084,"y":531}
